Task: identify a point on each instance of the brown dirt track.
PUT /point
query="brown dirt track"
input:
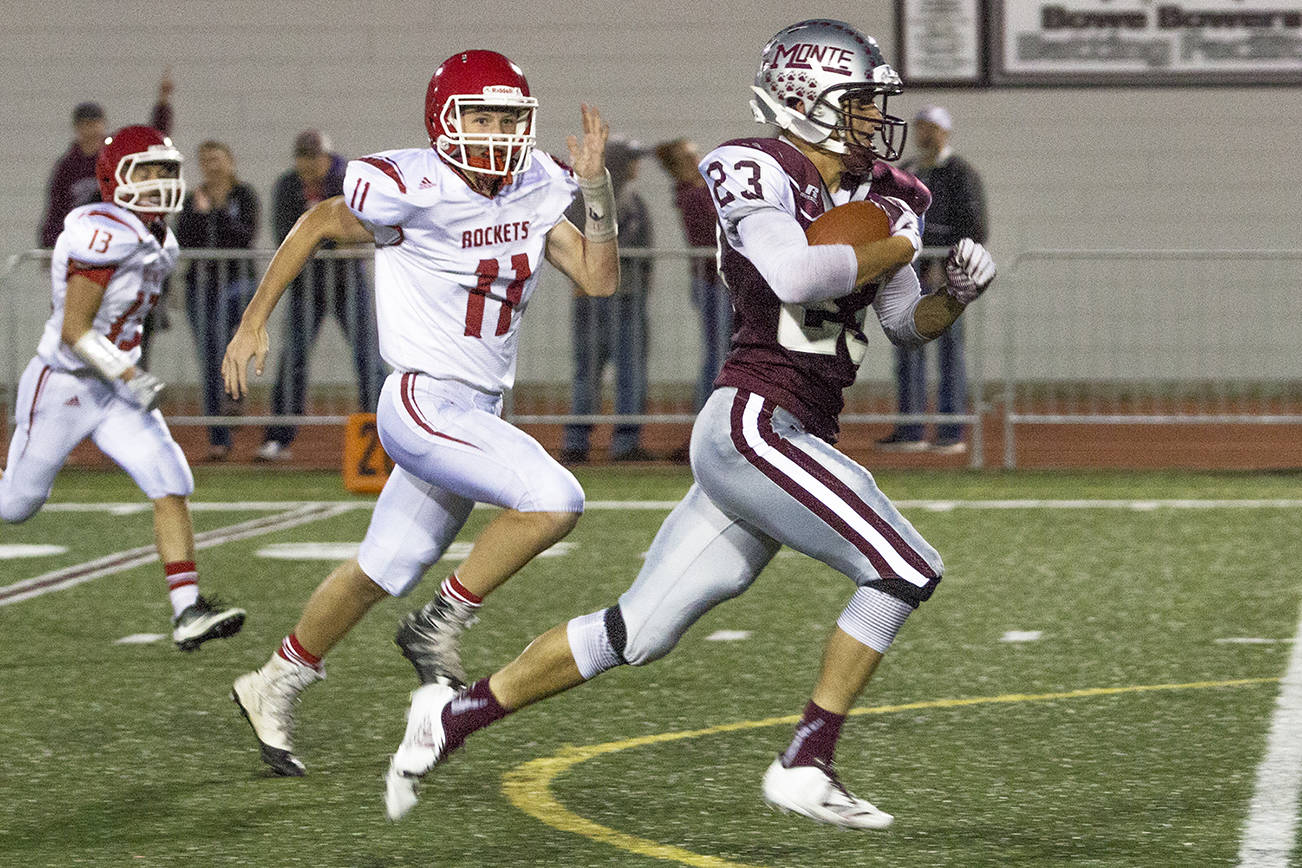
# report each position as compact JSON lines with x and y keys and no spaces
{"x":1184,"y":446}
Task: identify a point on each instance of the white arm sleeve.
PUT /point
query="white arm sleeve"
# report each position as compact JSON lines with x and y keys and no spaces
{"x":797,"y":271}
{"x":99,"y":352}
{"x":895,"y":303}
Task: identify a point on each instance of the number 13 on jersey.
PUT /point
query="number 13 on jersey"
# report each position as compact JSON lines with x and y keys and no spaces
{"x":488,"y":273}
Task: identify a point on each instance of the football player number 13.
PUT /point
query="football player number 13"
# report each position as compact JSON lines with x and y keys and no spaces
{"x":488,"y":273}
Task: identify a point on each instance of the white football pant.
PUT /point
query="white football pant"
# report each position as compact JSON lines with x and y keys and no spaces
{"x":56,"y":410}
{"x":452,"y":450}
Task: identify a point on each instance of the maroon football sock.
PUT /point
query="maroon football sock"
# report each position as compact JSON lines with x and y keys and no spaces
{"x":815,"y":738}
{"x":473,"y":709}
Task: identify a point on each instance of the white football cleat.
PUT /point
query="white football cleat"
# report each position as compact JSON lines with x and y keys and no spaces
{"x":816,"y":792}
{"x":422,"y":748}
{"x":266,"y":697}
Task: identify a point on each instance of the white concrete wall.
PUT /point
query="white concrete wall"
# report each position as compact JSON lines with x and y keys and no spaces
{"x":1162,"y":167}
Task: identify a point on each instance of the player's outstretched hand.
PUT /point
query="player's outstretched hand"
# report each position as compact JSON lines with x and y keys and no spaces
{"x":969,"y":271}
{"x":246,"y":344}
{"x":588,"y":156}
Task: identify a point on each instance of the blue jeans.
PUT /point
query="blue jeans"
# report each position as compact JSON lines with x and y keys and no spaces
{"x":609,"y":330}
{"x":951,"y":391}
{"x":216,"y":294}
{"x":714,"y":302}
{"x":337,"y":287}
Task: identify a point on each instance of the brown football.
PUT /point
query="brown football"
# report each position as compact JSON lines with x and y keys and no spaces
{"x":851,"y":223}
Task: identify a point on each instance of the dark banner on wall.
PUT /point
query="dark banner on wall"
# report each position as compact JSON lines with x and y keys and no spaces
{"x":1131,"y":43}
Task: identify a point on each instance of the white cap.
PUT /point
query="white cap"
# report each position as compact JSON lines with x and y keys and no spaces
{"x":938,"y":115}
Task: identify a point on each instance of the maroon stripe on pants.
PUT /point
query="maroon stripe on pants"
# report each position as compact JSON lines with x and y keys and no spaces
{"x":811,"y":466}
{"x":31,"y":414}
{"x":409,"y":403}
{"x":791,"y":487}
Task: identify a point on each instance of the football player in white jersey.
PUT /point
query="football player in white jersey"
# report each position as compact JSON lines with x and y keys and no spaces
{"x":461,"y":230}
{"x":765,"y":471}
{"x":107,"y":271}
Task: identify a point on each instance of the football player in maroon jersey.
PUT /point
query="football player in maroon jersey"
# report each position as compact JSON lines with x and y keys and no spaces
{"x":766,"y":471}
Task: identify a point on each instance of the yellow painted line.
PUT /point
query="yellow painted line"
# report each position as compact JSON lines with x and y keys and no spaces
{"x":528,"y":786}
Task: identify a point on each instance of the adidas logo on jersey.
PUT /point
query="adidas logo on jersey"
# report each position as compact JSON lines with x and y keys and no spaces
{"x":74,"y":401}
{"x":426,"y":183}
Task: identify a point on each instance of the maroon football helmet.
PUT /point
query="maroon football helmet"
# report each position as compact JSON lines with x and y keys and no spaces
{"x":129,"y":148}
{"x":473,"y":80}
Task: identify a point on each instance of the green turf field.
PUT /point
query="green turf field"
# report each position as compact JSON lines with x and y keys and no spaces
{"x":1129,"y":733}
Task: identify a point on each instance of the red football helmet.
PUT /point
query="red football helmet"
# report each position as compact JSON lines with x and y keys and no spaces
{"x":473,"y":80}
{"x":123,"y":152}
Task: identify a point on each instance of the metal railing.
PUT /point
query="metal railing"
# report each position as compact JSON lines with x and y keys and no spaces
{"x":1150,"y":337}
{"x":1090,"y":337}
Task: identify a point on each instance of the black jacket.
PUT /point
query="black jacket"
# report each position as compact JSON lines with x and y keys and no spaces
{"x":958,"y":203}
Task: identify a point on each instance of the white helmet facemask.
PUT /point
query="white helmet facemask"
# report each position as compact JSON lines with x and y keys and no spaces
{"x":488,"y":153}
{"x":154,"y":196}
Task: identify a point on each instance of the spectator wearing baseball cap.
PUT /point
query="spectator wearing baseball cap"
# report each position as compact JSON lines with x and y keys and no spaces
{"x":958,"y":210}
{"x":337,"y":286}
{"x":938,"y":116}
{"x":72,"y":180}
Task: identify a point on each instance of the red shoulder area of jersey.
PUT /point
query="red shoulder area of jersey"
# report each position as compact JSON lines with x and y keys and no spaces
{"x":98,"y":274}
{"x":851,"y":223}
{"x":887,"y":180}
{"x":388,"y":167}
{"x":100,"y":212}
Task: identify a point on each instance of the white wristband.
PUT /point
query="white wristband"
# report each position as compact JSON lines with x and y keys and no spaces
{"x":99,"y":352}
{"x":599,"y":206}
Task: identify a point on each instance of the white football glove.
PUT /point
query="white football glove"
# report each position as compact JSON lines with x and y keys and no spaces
{"x":906,"y":224}
{"x":145,"y":389}
{"x":968,"y":271}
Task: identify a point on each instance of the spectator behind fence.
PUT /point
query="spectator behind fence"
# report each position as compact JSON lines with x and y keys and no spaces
{"x":72,"y":180}
{"x":710,"y":297}
{"x":614,"y":329}
{"x":337,"y":286}
{"x":958,"y":210}
{"x":221,"y":213}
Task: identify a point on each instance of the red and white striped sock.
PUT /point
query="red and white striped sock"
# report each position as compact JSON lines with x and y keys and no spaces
{"x":293,"y":651}
{"x":182,"y":585}
{"x":452,"y":589}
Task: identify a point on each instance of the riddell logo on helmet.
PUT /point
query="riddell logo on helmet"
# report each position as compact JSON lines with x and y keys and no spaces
{"x":501,"y":90}
{"x":805,"y":55}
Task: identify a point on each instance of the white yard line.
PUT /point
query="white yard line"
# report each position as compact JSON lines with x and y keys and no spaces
{"x":117,"y":562}
{"x":1140,"y":504}
{"x":1270,"y":832}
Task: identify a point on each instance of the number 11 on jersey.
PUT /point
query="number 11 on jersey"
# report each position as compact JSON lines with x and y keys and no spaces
{"x":487,"y":271}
